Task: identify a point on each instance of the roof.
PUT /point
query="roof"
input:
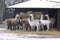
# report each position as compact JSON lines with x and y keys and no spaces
{"x":36,"y":4}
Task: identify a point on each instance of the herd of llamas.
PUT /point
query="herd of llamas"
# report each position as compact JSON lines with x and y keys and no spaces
{"x":30,"y":23}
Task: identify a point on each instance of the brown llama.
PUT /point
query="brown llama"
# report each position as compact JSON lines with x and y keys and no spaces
{"x":13,"y":23}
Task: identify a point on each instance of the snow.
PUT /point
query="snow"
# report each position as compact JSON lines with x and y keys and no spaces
{"x":36,"y":4}
{"x":55,"y":0}
{"x":8,"y":36}
{"x":3,"y":29}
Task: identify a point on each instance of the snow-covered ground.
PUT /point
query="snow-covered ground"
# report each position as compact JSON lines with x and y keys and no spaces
{"x":11,"y":36}
{"x":8,"y":36}
{"x":37,"y":4}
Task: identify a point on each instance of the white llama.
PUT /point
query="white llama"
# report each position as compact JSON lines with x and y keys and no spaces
{"x":33,"y":22}
{"x":45,"y":22}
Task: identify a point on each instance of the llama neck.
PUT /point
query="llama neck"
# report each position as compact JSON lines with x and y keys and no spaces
{"x":47,"y":17}
{"x":15,"y":17}
{"x":28,"y":19}
{"x":41,"y":17}
{"x":32,"y":18}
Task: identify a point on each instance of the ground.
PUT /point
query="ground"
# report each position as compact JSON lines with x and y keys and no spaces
{"x":51,"y":32}
{"x":54,"y":33}
{"x":18,"y":34}
{"x":21,"y":35}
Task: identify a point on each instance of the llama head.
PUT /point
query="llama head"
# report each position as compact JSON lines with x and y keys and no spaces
{"x":31,"y":14}
{"x":46,"y":15}
{"x":17,"y":16}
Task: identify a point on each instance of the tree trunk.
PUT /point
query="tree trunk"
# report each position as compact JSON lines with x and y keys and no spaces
{"x":2,"y":7}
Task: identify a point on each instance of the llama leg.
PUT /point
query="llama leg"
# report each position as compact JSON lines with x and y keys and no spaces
{"x":37,"y":28}
{"x":31,"y":28}
{"x":8,"y":27}
{"x":21,"y":28}
{"x":24,"y":27}
{"x":17,"y":27}
{"x":52,"y":25}
{"x":42,"y":27}
{"x":14,"y":27}
{"x":47,"y":27}
{"x":11,"y":27}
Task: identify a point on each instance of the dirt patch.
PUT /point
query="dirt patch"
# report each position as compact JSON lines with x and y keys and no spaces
{"x":56,"y":33}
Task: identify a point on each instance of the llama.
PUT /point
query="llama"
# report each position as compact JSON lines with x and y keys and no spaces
{"x":52,"y":21}
{"x":45,"y":22}
{"x":33,"y":22}
{"x":25,"y":25}
{"x":13,"y":22}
